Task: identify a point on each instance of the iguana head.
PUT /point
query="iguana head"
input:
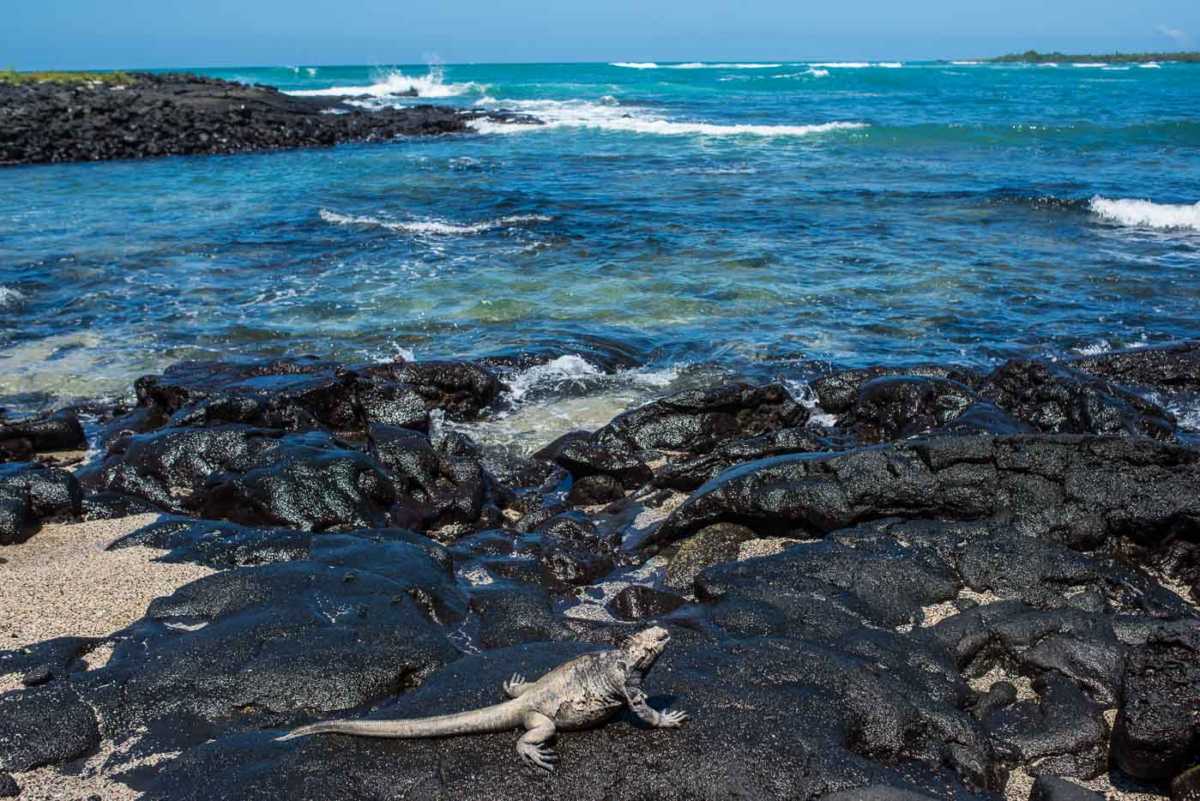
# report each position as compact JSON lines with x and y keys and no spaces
{"x":644,"y":647}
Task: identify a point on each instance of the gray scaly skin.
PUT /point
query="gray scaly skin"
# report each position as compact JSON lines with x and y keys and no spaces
{"x":580,"y":694}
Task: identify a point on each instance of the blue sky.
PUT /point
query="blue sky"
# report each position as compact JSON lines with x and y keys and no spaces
{"x":163,"y":33}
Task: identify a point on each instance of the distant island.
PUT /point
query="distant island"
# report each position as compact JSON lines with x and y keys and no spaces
{"x":1034,"y":57}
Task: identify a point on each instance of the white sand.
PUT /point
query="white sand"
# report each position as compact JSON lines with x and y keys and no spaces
{"x":63,"y":583}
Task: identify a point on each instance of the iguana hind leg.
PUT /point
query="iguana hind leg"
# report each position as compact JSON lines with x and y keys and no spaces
{"x":532,"y":747}
{"x":516,"y":685}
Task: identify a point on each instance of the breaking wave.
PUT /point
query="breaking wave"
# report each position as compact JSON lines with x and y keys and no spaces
{"x":693,"y":65}
{"x":10,"y":296}
{"x":395,"y":83}
{"x":1146,"y":214}
{"x":431,"y":227}
{"x":584,"y":114}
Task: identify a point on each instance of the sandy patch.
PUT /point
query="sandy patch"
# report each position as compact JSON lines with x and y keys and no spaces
{"x":63,"y":583}
{"x":88,"y":779}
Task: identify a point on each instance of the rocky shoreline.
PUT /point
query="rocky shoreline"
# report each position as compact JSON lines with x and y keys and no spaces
{"x":921,"y":583}
{"x":149,"y":115}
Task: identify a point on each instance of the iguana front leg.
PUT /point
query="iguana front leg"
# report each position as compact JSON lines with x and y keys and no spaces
{"x":636,"y":698}
{"x":532,"y":746}
{"x":516,"y":686}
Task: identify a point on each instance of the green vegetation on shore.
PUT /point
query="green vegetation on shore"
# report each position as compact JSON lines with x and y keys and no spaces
{"x":14,"y":77}
{"x":1034,"y":57}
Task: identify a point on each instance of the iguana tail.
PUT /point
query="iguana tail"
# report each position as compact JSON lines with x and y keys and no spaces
{"x":501,"y":717}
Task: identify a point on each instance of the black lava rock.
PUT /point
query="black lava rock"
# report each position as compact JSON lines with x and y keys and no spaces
{"x":595,"y":490}
{"x":30,"y":493}
{"x":837,"y":392}
{"x":638,"y":602}
{"x":180,"y":114}
{"x":8,"y":786}
{"x":1056,"y":400}
{"x":1169,"y":368}
{"x":1052,"y":788}
{"x":710,"y":546}
{"x":44,"y":726}
{"x":894,"y":407}
{"x":1157,"y":732}
{"x":58,"y":432}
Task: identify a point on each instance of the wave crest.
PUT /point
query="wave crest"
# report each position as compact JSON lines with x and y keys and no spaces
{"x":431,"y":227}
{"x":10,"y":297}
{"x":394,"y":83}
{"x":583,"y":114}
{"x":1146,"y":214}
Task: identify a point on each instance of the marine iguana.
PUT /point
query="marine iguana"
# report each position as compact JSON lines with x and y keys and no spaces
{"x":580,"y":694}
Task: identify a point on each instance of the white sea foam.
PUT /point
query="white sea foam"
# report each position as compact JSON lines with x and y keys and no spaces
{"x":692,"y":65}
{"x":1150,"y":65}
{"x":843,"y":65}
{"x":966,"y":63}
{"x":395,"y":83}
{"x":571,"y":368}
{"x":9,"y":296}
{"x":432,"y":227}
{"x":700,"y":65}
{"x":312,"y":71}
{"x":1048,"y":64}
{"x":1146,"y":214}
{"x":565,"y":394}
{"x":1089,"y":65}
{"x":583,"y":114}
{"x":890,"y":65}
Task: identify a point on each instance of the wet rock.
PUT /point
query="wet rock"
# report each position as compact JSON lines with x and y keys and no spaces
{"x":982,"y":417}
{"x":31,"y":493}
{"x":894,"y":407}
{"x":834,"y":725}
{"x":572,"y":551}
{"x":583,"y":458}
{"x":1157,"y":732}
{"x":44,"y":726}
{"x":1052,"y":788}
{"x":8,"y":786}
{"x":690,"y":473}
{"x":105,"y":505}
{"x":439,"y":482}
{"x":461,"y":389}
{"x":1087,"y":492}
{"x":57,"y":432}
{"x":710,"y":546}
{"x":298,"y":394}
{"x":837,"y":392}
{"x":595,"y":490}
{"x":1170,"y":368}
{"x":1054,"y":399}
{"x":638,"y":602}
{"x":252,"y":476}
{"x":696,"y":421}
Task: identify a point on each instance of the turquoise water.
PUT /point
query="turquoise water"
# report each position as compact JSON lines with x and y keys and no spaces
{"x":744,"y":218}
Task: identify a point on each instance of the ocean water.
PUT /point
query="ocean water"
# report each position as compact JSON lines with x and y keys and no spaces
{"x":669,"y":222}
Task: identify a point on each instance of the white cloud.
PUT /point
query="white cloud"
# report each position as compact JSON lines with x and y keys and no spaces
{"x":1180,"y":38}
